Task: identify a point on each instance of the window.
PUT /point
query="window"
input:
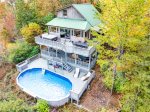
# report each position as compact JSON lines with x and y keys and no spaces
{"x":64,"y":12}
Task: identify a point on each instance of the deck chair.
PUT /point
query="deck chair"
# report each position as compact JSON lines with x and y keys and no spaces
{"x":86,"y":76}
{"x":76,"y":75}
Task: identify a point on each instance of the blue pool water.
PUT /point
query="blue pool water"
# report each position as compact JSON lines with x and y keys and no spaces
{"x":49,"y":86}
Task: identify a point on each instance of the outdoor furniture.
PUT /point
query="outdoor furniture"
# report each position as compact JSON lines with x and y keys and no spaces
{"x":77,"y":39}
{"x":86,"y":76}
{"x":58,"y":64}
{"x":84,"y":45}
{"x":76,"y":75}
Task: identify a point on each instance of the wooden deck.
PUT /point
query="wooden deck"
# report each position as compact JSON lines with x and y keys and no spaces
{"x":78,"y":86}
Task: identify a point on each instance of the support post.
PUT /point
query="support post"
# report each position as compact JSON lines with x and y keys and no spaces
{"x":83,"y":33}
{"x":89,"y":62}
{"x":65,"y":57}
{"x":56,"y":29}
{"x":70,"y":32}
{"x":48,"y":51}
{"x":40,"y":49}
{"x":56,"y":53}
{"x":89,"y":34}
{"x":49,"y":29}
{"x":73,"y":32}
{"x":75,"y":60}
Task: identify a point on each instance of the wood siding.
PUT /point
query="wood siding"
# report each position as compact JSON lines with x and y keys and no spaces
{"x":72,"y":13}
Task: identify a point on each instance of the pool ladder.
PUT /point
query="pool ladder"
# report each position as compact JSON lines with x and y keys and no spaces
{"x":43,"y":71}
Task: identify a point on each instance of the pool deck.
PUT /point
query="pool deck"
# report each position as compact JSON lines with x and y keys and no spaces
{"x":78,"y":86}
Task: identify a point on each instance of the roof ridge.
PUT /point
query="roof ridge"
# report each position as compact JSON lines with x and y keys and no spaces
{"x":82,"y":4}
{"x":70,"y":19}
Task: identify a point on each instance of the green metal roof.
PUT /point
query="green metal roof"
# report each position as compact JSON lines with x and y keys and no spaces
{"x":88,"y":11}
{"x":70,"y":23}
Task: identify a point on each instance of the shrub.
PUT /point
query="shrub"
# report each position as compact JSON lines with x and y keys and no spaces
{"x":14,"y":105}
{"x":30,"y":31}
{"x":42,"y":106}
{"x":22,"y":52}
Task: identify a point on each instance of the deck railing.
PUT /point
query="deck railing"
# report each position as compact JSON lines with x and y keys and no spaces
{"x":76,"y":96}
{"x":24,"y":64}
{"x":47,"y":54}
{"x":66,"y":48}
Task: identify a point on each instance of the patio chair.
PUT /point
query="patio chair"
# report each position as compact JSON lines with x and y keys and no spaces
{"x":76,"y":75}
{"x":86,"y":76}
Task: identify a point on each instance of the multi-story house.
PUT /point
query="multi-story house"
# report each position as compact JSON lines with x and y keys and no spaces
{"x":67,"y":36}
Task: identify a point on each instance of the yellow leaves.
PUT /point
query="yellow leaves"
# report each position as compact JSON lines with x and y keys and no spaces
{"x":30,"y":31}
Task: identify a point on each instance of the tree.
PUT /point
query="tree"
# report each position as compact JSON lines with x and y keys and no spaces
{"x":24,"y":14}
{"x":22,"y":51}
{"x":46,"y":7}
{"x":4,"y":37}
{"x":123,"y":48}
{"x":30,"y":31}
{"x":45,"y":19}
{"x":7,"y":24}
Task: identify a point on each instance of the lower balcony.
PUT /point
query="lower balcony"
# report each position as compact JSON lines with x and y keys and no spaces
{"x":75,"y":62}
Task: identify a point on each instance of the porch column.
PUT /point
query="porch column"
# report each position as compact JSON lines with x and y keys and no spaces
{"x":40,"y":49}
{"x":49,"y":29}
{"x":89,"y":34}
{"x":56,"y":53}
{"x":75,"y":59}
{"x":59,"y":31}
{"x":73,"y":32}
{"x":70,"y":32}
{"x":89,"y":62}
{"x":56,"y":29}
{"x":48,"y":51}
{"x":83,"y":33}
{"x":65,"y":56}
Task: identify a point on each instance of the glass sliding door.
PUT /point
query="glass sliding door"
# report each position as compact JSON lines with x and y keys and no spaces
{"x":65,"y":33}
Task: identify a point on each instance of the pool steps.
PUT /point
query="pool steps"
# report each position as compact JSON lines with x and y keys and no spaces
{"x":43,"y":71}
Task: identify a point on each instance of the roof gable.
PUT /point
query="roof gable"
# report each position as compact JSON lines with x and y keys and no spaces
{"x":88,"y":11}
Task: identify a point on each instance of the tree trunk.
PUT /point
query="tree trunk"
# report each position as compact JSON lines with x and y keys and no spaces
{"x":113,"y":83}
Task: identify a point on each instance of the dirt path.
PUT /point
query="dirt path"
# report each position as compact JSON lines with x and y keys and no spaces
{"x":97,"y":96}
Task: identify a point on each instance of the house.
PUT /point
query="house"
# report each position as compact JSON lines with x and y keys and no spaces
{"x":67,"y":34}
{"x":65,"y":53}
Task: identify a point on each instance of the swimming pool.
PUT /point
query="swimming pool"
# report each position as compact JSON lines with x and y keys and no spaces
{"x":44,"y":84}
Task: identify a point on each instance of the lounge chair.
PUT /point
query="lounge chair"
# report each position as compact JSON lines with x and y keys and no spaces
{"x":76,"y":75}
{"x":86,"y":76}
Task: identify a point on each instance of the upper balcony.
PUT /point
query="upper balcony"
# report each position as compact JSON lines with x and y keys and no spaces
{"x":54,"y":41}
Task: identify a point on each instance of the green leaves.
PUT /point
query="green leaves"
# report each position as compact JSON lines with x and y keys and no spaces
{"x":24,"y":14}
{"x":125,"y":44}
{"x":42,"y":106}
{"x":22,"y":52}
